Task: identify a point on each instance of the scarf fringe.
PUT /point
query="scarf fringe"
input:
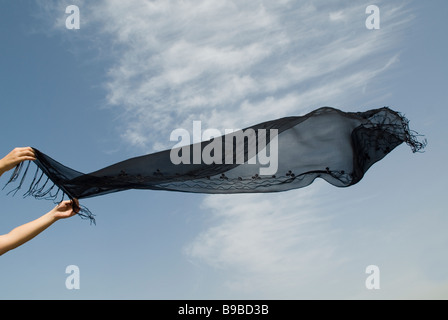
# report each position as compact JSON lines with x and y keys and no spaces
{"x":41,"y":187}
{"x":411,"y":136}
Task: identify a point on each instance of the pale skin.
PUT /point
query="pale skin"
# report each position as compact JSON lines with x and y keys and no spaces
{"x":28,"y":231}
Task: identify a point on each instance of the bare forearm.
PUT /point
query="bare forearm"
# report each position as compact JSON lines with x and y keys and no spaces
{"x":26,"y":232}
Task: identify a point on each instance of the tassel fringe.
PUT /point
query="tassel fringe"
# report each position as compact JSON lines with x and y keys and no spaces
{"x":41,"y":187}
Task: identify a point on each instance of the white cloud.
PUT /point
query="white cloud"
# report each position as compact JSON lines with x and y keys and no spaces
{"x":337,"y":16}
{"x":267,"y":245}
{"x":178,"y":61}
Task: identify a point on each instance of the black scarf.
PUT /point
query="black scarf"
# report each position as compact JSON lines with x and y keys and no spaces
{"x":326,"y":143}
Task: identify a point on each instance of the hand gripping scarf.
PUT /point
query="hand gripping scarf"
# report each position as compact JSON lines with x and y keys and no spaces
{"x":326,"y":143}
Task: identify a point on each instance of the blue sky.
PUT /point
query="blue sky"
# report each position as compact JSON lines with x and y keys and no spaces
{"x":137,"y":70}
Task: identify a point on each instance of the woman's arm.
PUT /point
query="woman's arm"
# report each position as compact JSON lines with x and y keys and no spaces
{"x":28,"y":231}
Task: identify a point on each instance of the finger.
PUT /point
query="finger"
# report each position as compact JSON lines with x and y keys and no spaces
{"x":64,"y":204}
{"x":27,"y":158}
{"x":26,"y":152}
{"x":22,"y":149}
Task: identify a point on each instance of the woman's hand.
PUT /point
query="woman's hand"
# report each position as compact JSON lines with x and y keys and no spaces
{"x":65,"y":209}
{"x":15,"y":157}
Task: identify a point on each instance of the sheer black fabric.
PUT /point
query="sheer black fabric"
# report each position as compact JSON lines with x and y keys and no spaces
{"x":327,"y":143}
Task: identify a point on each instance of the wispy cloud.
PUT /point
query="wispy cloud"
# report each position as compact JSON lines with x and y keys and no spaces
{"x":266,"y":245}
{"x":178,"y":61}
